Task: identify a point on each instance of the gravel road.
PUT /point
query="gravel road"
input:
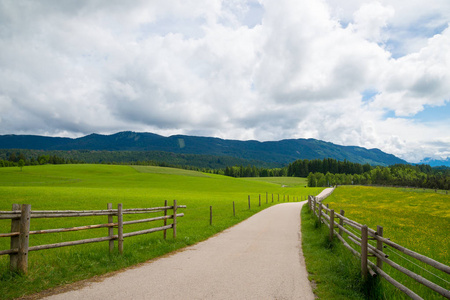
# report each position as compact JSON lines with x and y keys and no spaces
{"x":260,"y":258}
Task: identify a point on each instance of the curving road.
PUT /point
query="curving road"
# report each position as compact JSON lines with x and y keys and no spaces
{"x":260,"y":258}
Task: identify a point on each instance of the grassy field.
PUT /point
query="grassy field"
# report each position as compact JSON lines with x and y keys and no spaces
{"x":283,"y":181}
{"x":414,"y":218}
{"x":78,"y":187}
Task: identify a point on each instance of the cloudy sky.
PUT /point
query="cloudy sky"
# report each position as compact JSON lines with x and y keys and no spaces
{"x":374,"y":74}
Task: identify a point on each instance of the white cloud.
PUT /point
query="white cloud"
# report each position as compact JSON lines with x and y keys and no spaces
{"x":371,"y":20}
{"x":263,"y":70}
{"x":418,"y":79}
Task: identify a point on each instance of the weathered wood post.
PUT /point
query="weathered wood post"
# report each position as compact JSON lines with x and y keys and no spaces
{"x":24,"y":239}
{"x":267,"y":198}
{"x":174,"y":219}
{"x":234,"y":210}
{"x":327,"y":207}
{"x":364,"y":240}
{"x":341,"y":222}
{"x":165,"y":220}
{"x":210,"y":215}
{"x":248,"y":201}
{"x":379,"y":246}
{"x":110,"y":229}
{"x":314,"y":204}
{"x":320,"y":214}
{"x":120,"y":227}
{"x":259,"y":199}
{"x":272,"y":197}
{"x":331,"y":224}
{"x":15,"y":227}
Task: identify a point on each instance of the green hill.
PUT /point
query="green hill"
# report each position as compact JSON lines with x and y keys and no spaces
{"x":274,"y":152}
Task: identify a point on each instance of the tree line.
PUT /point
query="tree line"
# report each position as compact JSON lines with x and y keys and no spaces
{"x":15,"y":160}
{"x":130,"y":157}
{"x":329,"y":172}
{"x":396,"y":175}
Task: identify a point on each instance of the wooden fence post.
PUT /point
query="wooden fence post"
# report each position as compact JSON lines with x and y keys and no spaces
{"x":379,"y":246}
{"x":314,"y":205}
{"x":15,"y":227}
{"x":120,"y":227}
{"x":331,"y":224}
{"x":234,"y":210}
{"x":110,"y":229}
{"x":341,"y":222}
{"x":259,"y":199}
{"x":320,"y":214}
{"x":364,"y":240}
{"x":272,"y":197}
{"x":267,"y":198}
{"x":210,"y":215}
{"x":174,"y":219}
{"x":249,"y":202}
{"x":22,"y":259}
{"x":165,"y":220}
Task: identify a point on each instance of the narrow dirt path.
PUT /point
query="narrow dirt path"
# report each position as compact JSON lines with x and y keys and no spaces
{"x":260,"y":258}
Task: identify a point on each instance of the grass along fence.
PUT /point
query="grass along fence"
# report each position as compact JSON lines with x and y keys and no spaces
{"x":21,"y":216}
{"x":359,"y":236}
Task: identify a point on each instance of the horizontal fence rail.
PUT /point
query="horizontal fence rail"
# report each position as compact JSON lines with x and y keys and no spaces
{"x":21,"y":216}
{"x":361,"y":241}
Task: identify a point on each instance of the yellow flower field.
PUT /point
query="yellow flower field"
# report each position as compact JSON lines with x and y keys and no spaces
{"x":414,"y":218}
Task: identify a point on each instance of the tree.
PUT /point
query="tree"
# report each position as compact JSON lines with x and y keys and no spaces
{"x":312,"y":180}
{"x":12,"y":157}
{"x":21,"y":163}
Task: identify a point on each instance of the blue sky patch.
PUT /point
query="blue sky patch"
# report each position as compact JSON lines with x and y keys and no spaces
{"x":434,"y":113}
{"x":369,"y":94}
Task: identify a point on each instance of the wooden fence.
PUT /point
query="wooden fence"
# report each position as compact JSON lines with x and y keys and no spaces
{"x":328,"y":216}
{"x":21,"y":216}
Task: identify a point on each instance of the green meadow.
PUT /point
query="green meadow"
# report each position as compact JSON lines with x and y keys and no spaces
{"x":89,"y":187}
{"x":414,"y":218}
{"x":283,"y":181}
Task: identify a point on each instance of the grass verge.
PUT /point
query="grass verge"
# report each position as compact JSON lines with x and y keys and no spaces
{"x":333,"y":270}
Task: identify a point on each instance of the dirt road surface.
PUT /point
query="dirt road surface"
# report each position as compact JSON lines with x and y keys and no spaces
{"x":260,"y":258}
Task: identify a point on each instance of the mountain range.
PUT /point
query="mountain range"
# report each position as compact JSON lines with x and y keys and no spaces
{"x":279,"y":152}
{"x":436,"y":162}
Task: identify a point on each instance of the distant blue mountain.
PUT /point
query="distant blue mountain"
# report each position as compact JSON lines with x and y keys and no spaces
{"x":436,"y":162}
{"x":280,"y":152}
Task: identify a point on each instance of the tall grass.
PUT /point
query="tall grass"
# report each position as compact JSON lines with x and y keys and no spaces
{"x":80,"y":187}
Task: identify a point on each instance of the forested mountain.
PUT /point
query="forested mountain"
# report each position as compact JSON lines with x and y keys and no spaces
{"x":278,"y":152}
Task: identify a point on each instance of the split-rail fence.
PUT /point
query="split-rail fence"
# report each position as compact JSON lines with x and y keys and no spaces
{"x":328,"y":216}
{"x":21,"y":215}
